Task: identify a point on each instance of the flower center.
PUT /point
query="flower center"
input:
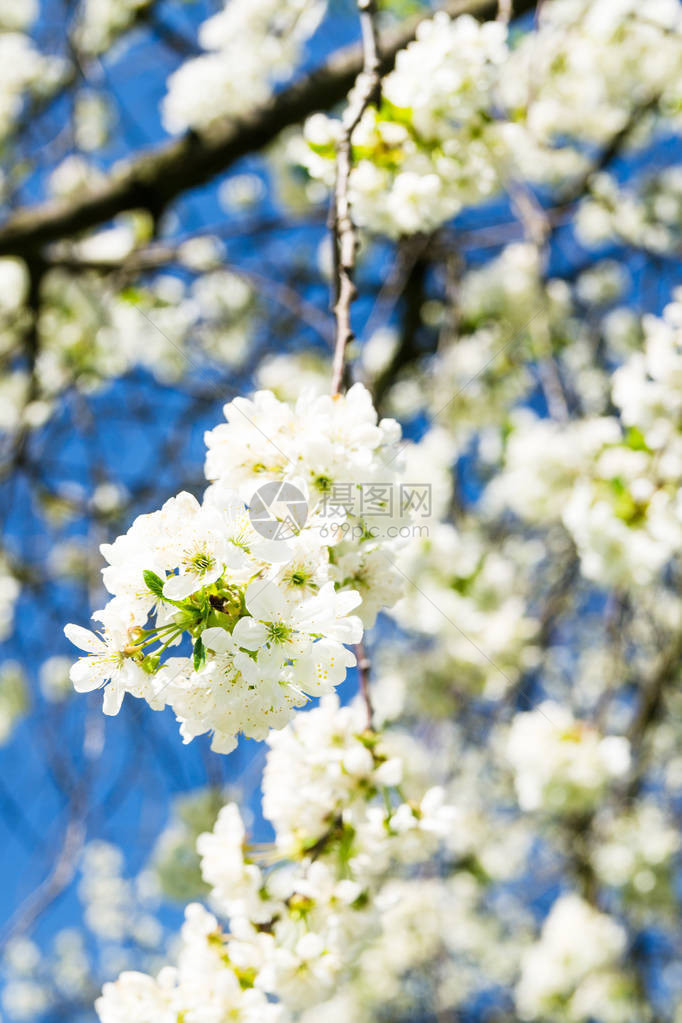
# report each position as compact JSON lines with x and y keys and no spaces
{"x":324,"y":484}
{"x":200,"y":562}
{"x":278,"y":632}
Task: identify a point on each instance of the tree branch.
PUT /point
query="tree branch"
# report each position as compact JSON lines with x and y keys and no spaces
{"x":345,"y":240}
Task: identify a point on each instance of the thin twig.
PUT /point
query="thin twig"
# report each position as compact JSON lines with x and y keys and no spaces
{"x":344,"y":237}
{"x":364,"y":664}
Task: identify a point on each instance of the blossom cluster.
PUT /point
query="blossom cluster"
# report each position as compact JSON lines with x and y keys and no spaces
{"x":91,"y":330}
{"x":372,"y":877}
{"x":331,"y":898}
{"x":119,"y":930}
{"x":24,"y":71}
{"x":634,"y":852}
{"x":251,"y":44}
{"x":431,"y":147}
{"x":100,"y":22}
{"x":572,"y":971}
{"x":509,"y":317}
{"x":467,"y":601}
{"x":488,"y":113}
{"x":560,"y":763}
{"x":612,"y":481}
{"x":645,"y":214}
{"x":261,"y":577}
{"x":589,"y":67}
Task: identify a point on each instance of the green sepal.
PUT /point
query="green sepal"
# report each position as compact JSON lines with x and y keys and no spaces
{"x":217,"y":619}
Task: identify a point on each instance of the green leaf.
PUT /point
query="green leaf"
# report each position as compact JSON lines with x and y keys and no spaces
{"x":154,"y":583}
{"x":199,"y":654}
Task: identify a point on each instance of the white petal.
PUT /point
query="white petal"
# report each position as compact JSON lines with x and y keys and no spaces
{"x":113,"y":698}
{"x":269,"y":664}
{"x":346,"y":601}
{"x":230,"y":503}
{"x":249,"y":633}
{"x":180,"y":586}
{"x":87,"y":674}
{"x":84,"y":639}
{"x":184,"y":501}
{"x":276,"y":552}
{"x":248,"y":667}
{"x":345,"y":630}
{"x":265,"y":601}
{"x":330,"y":661}
{"x":234,"y":557}
{"x":222,"y":742}
{"x":318,"y":675}
{"x":217,"y":639}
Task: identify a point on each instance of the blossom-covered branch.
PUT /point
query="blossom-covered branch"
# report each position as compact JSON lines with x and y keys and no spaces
{"x":153,"y":180}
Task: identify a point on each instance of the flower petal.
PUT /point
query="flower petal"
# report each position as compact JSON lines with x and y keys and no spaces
{"x":346,"y":600}
{"x":113,"y":698}
{"x":250,"y":634}
{"x":345,"y":630}
{"x":180,"y":586}
{"x":84,"y":639}
{"x":265,"y":601}
{"x":217,"y":639}
{"x":87,"y":674}
{"x":223,"y":742}
{"x":276,"y":552}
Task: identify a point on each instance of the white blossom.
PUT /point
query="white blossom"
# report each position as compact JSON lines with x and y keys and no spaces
{"x":561,"y":764}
